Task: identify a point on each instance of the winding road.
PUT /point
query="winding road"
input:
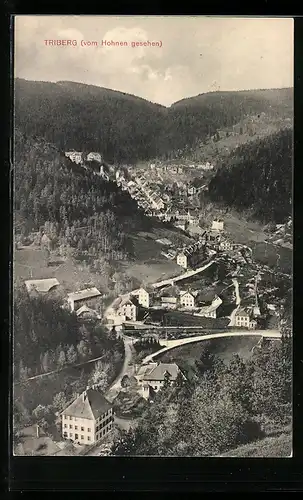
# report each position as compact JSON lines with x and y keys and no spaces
{"x":41,"y":375}
{"x":171,"y":344}
{"x":182,"y":276}
{"x":238,"y":302}
{"x":115,"y":388}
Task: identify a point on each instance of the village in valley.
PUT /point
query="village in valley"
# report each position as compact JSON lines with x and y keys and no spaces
{"x":220,"y":290}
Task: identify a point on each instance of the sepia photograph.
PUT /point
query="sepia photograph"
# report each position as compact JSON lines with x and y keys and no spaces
{"x":152,"y":236}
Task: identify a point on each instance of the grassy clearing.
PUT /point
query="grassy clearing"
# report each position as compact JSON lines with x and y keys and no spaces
{"x":30,"y":444}
{"x":31,"y":262}
{"x":152,"y":271}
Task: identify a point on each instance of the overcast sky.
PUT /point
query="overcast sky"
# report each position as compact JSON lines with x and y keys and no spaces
{"x":198,"y":54}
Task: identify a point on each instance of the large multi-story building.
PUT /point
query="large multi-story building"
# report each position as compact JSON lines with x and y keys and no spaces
{"x":188,"y":299}
{"x":244,"y":318}
{"x":225,"y":245}
{"x":182,"y":260}
{"x":127,"y":309}
{"x":88,"y":418}
{"x":78,"y":299}
{"x":142,"y":297}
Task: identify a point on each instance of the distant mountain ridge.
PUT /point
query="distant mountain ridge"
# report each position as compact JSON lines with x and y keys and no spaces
{"x":126,"y":128}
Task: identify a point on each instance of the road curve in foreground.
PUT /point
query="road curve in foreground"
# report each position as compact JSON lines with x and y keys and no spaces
{"x":171,"y":344}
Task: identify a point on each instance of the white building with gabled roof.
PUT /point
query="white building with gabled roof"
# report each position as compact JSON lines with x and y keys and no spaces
{"x":88,"y":418}
{"x":152,"y":377}
{"x":142,"y":296}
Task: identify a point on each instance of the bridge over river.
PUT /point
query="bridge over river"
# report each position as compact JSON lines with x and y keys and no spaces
{"x":171,"y":344}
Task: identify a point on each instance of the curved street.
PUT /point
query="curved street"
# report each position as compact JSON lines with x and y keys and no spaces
{"x":115,"y":388}
{"x":171,"y":344}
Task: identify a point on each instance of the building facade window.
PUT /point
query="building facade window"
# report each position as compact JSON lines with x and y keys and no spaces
{"x":82,"y":437}
{"x":70,"y":426}
{"x":82,"y":429}
{"x":88,"y":438}
{"x":88,"y":429}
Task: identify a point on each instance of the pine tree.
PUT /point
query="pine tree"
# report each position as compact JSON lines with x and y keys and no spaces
{"x":71,"y":355}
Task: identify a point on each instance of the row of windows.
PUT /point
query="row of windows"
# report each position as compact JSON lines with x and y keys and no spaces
{"x":104,"y":431}
{"x":76,"y":428}
{"x":103,"y":424}
{"x":71,"y":435}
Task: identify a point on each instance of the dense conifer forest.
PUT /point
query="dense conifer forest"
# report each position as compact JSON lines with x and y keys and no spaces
{"x":74,"y":208}
{"x":126,"y":128}
{"x":48,"y":337}
{"x":258,"y":177}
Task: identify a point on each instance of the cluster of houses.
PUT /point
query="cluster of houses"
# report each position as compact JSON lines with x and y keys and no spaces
{"x":90,"y":418}
{"x":85,"y":303}
{"x":147,"y":198}
{"x":124,"y":310}
{"x":179,"y":168}
{"x":84,"y":160}
{"x":208,"y":243}
{"x":203,"y":304}
{"x":155,"y":199}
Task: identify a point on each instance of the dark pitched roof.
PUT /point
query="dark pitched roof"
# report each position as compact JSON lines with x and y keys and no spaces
{"x":158,"y":373}
{"x":90,"y":404}
{"x":206,"y":296}
{"x":88,"y":293}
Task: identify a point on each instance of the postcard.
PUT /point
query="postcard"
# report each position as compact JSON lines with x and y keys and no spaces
{"x":152,"y":282}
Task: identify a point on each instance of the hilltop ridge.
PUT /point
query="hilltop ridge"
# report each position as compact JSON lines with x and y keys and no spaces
{"x":127,"y":128}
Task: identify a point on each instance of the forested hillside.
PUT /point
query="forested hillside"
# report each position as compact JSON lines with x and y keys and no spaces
{"x":258,"y":177}
{"x":223,"y":406}
{"x":126,"y":128}
{"x":47,"y":337}
{"x":74,"y":208}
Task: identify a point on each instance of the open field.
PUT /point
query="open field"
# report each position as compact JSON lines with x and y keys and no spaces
{"x":31,"y":262}
{"x":151,"y":271}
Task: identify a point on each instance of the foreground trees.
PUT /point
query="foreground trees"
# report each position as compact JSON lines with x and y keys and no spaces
{"x":222,"y":407}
